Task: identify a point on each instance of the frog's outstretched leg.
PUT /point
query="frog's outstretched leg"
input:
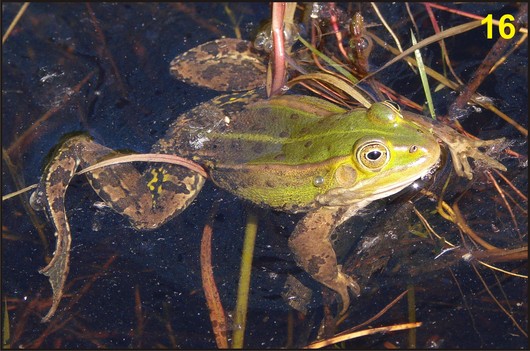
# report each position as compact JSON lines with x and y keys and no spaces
{"x":50,"y":195}
{"x":149,"y":199}
{"x":463,"y":147}
{"x":313,"y":251}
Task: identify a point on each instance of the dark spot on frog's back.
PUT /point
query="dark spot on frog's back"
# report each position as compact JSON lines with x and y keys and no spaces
{"x":308,"y":143}
{"x":284,"y":134}
{"x":246,"y":67}
{"x":242,"y":47}
{"x":212,"y":72}
{"x":211,"y":48}
{"x":270,"y":184}
{"x":96,"y":184}
{"x":176,"y":63}
{"x":304,"y":130}
{"x":235,"y":145}
{"x":258,"y":148}
{"x":279,"y":157}
{"x":294,"y":116}
{"x":191,"y":55}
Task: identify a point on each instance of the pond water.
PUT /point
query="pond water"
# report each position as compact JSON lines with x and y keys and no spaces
{"x":103,"y":68}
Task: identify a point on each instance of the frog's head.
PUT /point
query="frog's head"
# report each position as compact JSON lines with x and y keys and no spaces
{"x":390,"y":154}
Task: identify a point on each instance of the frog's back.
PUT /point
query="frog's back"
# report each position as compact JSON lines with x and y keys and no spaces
{"x":264,"y":150}
{"x":247,"y":128}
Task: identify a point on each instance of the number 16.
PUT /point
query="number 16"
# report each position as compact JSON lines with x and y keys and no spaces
{"x":506,"y":29}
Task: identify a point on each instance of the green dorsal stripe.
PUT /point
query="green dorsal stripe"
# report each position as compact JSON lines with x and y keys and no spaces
{"x":287,"y":140}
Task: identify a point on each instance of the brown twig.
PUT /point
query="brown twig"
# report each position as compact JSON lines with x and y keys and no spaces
{"x":213,"y":301}
{"x":460,"y":221}
{"x":497,"y":302}
{"x":139,"y":328}
{"x":507,"y":205}
{"x":376,"y":316}
{"x":482,"y":71}
{"x":387,"y":329}
{"x":517,"y":191}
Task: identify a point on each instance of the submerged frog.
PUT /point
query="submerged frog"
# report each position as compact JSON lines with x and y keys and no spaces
{"x":292,"y":153}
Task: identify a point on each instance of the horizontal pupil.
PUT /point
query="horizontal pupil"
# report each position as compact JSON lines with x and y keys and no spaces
{"x":373,"y":155}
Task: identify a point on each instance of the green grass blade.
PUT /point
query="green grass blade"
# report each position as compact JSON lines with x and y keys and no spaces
{"x":423,"y":76}
{"x":240,"y":318}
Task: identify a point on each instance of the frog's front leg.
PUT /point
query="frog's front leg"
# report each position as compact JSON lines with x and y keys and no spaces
{"x":311,"y":244}
{"x":463,"y":147}
{"x":149,"y":199}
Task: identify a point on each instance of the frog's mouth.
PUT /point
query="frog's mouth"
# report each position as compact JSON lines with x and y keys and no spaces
{"x":370,"y":190}
{"x":385,"y":191}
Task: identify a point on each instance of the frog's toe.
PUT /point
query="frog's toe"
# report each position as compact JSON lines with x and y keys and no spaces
{"x":345,"y":298}
{"x":344,"y":283}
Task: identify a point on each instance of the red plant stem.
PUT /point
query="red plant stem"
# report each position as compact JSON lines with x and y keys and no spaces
{"x":451,"y":10}
{"x":338,"y":33}
{"x":278,"y":78}
{"x":464,"y":14}
{"x":441,"y":42}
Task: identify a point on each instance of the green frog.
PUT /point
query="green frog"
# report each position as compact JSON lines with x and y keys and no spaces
{"x":294,"y":153}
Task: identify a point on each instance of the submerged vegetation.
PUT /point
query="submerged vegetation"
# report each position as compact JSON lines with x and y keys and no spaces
{"x":447,"y":261}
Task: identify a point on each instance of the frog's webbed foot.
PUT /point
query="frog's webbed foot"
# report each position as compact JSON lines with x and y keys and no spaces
{"x":313,"y":251}
{"x":341,"y":284}
{"x":463,"y":147}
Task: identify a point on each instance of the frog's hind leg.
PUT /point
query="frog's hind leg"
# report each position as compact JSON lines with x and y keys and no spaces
{"x":147,"y":202}
{"x":310,"y":242}
{"x":172,"y":189}
{"x":148,"y":199}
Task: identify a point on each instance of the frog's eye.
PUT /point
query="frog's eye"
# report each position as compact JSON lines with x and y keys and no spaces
{"x":373,"y":155}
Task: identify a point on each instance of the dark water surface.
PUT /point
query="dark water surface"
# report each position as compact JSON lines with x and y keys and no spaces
{"x":103,"y":68}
